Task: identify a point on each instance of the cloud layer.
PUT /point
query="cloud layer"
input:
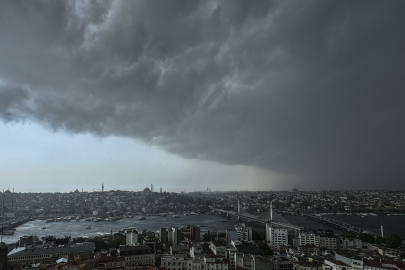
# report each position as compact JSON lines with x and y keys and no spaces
{"x":314,"y":88}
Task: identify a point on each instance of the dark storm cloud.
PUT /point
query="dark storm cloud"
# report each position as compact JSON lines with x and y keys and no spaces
{"x":314,"y":88}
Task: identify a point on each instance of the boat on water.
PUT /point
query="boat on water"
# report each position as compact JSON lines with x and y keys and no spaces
{"x":43,"y":228}
{"x":88,"y":227}
{"x":176,"y":216}
{"x":88,"y":219}
{"x":142,"y":218}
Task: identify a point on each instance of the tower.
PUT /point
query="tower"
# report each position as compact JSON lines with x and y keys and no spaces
{"x":271,"y":211}
{"x":102,"y":187}
{"x":382,"y":231}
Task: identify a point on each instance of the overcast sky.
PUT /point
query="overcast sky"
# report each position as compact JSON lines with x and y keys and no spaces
{"x":230,"y":95}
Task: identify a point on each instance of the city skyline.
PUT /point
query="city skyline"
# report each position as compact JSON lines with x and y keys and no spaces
{"x":188,"y":95}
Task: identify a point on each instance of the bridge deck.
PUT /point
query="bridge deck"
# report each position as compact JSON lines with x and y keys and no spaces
{"x":277,"y":219}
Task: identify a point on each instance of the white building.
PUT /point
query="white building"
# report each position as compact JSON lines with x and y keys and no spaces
{"x":244,"y":233}
{"x":308,"y":238}
{"x":335,"y":265}
{"x":131,"y":238}
{"x":172,"y":235}
{"x":276,"y":236}
{"x":181,"y":262}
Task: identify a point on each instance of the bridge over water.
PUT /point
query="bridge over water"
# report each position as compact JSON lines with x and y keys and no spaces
{"x":339,"y":224}
{"x":272,"y":218}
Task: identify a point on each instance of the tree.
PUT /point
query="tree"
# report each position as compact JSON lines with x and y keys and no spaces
{"x":117,"y":242}
{"x":365,"y":237}
{"x":265,"y":248}
{"x":393,"y":240}
{"x":258,"y":235}
{"x":379,"y":239}
{"x":206,"y":237}
{"x":348,"y":235}
{"x":99,"y":244}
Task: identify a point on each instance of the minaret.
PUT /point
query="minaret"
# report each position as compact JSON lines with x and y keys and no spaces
{"x":271,"y":211}
{"x":2,"y":204}
{"x":102,"y":187}
{"x":382,"y":231}
{"x":238,"y":207}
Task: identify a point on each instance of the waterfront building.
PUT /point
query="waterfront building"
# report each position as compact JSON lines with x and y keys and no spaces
{"x":131,"y":237}
{"x":47,"y":254}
